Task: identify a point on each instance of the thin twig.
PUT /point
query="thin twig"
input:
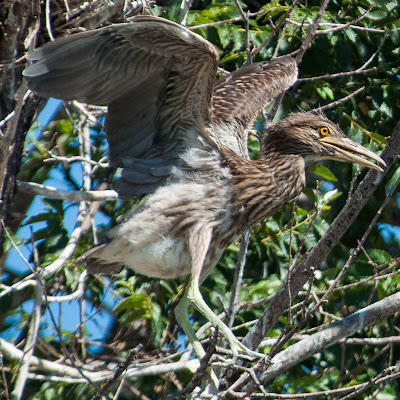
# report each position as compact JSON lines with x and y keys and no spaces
{"x":289,"y":271}
{"x":245,"y":18}
{"x":226,"y":21}
{"x":31,"y":340}
{"x":7,"y":141}
{"x":354,"y":21}
{"x":338,"y":75}
{"x":73,"y":159}
{"x":369,"y":384}
{"x":355,"y":252}
{"x":16,"y":247}
{"x":79,"y":292}
{"x":369,"y":61}
{"x":122,"y":367}
{"x":48,"y":20}
{"x":313,"y":395}
{"x":82,"y":109}
{"x":278,"y":45}
{"x":338,"y":27}
{"x":237,"y":280}
{"x":185,"y":8}
{"x":340,"y":101}
{"x":303,"y":48}
{"x":202,"y":370}
{"x":311,"y":34}
{"x":64,"y":373}
{"x":62,"y":258}
{"x":3,"y":375}
{"x":275,"y":30}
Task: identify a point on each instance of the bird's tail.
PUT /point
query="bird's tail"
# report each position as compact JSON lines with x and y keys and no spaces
{"x":95,"y":263}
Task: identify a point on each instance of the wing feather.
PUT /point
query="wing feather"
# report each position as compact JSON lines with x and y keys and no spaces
{"x":240,"y":96}
{"x":156,"y":78}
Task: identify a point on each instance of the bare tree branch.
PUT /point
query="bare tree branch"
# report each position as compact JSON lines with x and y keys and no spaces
{"x":315,"y":343}
{"x":62,"y":372}
{"x":330,"y":335}
{"x":68,"y":195}
{"x":276,"y":29}
{"x":340,"y":101}
{"x":30,"y":344}
{"x":338,"y":27}
{"x":321,"y":394}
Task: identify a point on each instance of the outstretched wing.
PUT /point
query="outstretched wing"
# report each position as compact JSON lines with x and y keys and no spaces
{"x":156,"y":78}
{"x":240,"y":96}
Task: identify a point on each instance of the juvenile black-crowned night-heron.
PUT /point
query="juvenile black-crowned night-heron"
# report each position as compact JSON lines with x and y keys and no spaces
{"x":181,"y":138}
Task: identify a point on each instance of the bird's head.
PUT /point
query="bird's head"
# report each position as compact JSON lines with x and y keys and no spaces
{"x":314,"y":137}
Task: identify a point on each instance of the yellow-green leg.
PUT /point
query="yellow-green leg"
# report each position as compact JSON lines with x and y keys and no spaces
{"x":182,"y":316}
{"x":197,"y":301}
{"x":199,"y":242}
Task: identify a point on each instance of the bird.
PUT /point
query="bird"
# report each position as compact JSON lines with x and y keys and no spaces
{"x":180,"y":139}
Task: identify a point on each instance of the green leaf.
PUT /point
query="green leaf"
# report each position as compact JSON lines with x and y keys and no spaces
{"x":310,"y":241}
{"x":386,"y":396}
{"x":134,"y":307}
{"x":391,"y":5}
{"x":323,"y":172}
{"x":64,"y":126}
{"x":379,"y":256}
{"x":274,"y":8}
{"x":329,"y":196}
{"x":393,"y":179}
{"x":379,"y":138}
{"x":377,"y":15}
{"x":321,"y":226}
{"x":71,"y":277}
{"x":156,"y":321}
{"x":272,"y":225}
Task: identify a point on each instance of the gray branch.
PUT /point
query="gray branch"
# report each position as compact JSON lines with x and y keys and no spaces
{"x":69,"y":195}
{"x":315,"y":343}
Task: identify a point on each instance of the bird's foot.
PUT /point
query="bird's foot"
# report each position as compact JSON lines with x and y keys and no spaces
{"x":238,"y":349}
{"x":194,"y":297}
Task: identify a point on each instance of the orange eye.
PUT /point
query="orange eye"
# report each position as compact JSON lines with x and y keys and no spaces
{"x":324,"y":130}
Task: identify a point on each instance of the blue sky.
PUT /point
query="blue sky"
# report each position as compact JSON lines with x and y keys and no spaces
{"x":99,"y":325}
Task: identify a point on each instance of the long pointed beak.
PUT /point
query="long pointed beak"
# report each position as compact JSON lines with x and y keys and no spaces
{"x":347,"y":150}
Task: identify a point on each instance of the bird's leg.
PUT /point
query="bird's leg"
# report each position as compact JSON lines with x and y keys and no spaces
{"x":182,"y":317}
{"x":182,"y":314}
{"x":199,"y":242}
{"x":197,"y":301}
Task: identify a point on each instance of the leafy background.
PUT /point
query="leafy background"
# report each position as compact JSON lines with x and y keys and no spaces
{"x":108,"y":318}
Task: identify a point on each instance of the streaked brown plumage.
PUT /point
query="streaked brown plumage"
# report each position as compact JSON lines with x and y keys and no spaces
{"x":182,"y":139}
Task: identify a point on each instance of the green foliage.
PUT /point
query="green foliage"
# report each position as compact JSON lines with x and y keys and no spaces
{"x":134,"y":306}
{"x":144,"y":308}
{"x":323,"y":172}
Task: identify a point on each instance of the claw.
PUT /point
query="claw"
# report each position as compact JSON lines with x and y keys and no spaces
{"x":239,"y":348}
{"x":193,"y":295}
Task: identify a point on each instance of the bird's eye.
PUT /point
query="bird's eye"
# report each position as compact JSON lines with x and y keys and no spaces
{"x":324,"y":130}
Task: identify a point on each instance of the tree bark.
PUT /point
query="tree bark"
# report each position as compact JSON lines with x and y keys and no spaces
{"x":18,"y":29}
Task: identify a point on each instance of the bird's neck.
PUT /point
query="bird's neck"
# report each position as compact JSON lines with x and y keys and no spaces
{"x":261,"y":187}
